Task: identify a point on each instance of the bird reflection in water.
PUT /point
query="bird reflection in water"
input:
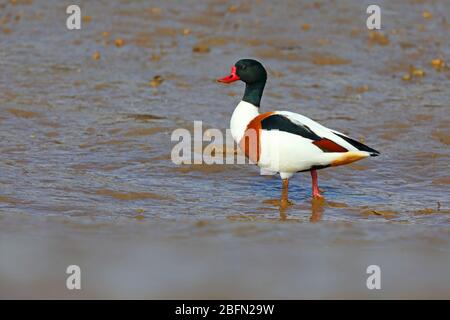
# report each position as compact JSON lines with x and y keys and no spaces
{"x":317,"y":210}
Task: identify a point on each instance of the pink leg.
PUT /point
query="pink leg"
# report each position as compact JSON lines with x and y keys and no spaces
{"x":315,"y":185}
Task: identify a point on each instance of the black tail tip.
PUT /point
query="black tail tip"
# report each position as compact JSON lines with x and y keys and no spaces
{"x":374,"y":154}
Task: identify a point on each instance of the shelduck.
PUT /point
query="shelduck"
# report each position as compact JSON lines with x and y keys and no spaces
{"x":283,"y":141}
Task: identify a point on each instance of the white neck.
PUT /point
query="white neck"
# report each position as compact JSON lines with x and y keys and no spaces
{"x":242,"y":115}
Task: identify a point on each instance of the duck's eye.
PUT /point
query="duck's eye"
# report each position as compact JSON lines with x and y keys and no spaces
{"x":243,"y":67}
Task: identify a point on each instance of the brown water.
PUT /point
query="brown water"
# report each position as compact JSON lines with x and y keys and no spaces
{"x":85,"y":170}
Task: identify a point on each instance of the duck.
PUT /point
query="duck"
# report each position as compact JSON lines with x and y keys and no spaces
{"x":285,"y":142}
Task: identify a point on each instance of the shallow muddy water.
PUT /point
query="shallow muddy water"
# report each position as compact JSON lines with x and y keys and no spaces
{"x":86,"y":176}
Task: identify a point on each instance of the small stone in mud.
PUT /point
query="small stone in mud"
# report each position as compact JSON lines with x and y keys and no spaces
{"x":306,"y":27}
{"x":186,"y":31}
{"x":105,"y":34}
{"x":378,"y":38}
{"x":233,"y":8}
{"x":438,"y":64}
{"x":201,"y":48}
{"x":87,"y":19}
{"x":96,"y":55}
{"x":119,"y":42}
{"x":413,"y":73}
{"x":156,"y":81}
{"x":427,"y":15}
{"x":418,"y":73}
{"x":406,"y":77}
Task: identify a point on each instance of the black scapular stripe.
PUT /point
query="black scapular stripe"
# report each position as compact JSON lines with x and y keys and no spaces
{"x":358,"y":145}
{"x":316,"y":167}
{"x":281,"y":123}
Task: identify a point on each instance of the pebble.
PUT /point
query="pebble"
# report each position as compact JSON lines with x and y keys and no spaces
{"x":201,"y":48}
{"x":306,"y":27}
{"x":156,"y":81}
{"x":96,"y":55}
{"x":427,"y":14}
{"x":119,"y":42}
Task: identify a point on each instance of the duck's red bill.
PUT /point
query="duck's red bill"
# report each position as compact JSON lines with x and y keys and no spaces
{"x":231,"y":78}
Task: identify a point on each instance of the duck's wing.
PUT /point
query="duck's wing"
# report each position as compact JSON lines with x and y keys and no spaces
{"x":358,"y":145}
{"x":322,"y":137}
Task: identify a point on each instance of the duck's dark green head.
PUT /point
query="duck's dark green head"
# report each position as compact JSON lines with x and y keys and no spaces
{"x":247,"y":70}
{"x":253,"y":74}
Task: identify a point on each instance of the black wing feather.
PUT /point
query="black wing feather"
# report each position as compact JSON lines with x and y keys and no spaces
{"x":358,"y":145}
{"x":281,"y":123}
